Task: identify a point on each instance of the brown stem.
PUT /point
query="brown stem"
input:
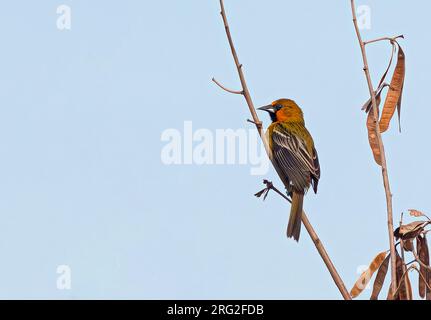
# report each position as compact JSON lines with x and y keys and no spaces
{"x":226,"y":89}
{"x":245,"y":92}
{"x":384,"y":39}
{"x":318,"y":244}
{"x":382,"y":151}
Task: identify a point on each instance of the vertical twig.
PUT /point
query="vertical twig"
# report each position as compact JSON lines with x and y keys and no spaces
{"x":245,"y":92}
{"x":386,"y":184}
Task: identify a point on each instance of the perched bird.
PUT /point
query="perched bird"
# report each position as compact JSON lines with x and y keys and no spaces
{"x":294,"y":156}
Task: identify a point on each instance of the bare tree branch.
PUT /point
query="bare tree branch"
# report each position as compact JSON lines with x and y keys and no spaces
{"x":226,"y":89}
{"x":386,"y":184}
{"x":384,"y":39}
{"x":245,"y":92}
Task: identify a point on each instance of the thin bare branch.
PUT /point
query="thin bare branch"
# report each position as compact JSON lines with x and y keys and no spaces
{"x":385,"y":176}
{"x":338,"y":281}
{"x":226,"y":89}
{"x":384,"y":39}
{"x":245,"y":92}
{"x":257,"y":124}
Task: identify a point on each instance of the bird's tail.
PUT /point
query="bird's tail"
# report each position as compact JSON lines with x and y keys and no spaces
{"x":295,"y":219}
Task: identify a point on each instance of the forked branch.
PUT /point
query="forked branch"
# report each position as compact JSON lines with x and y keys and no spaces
{"x":226,"y":89}
{"x":245,"y":92}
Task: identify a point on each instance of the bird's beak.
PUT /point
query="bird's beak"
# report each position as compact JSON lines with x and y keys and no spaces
{"x":269,"y":108}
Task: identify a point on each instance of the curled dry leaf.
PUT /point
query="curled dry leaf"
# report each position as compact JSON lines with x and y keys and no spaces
{"x":365,"y":277}
{"x":372,"y":137}
{"x":416,"y":213}
{"x":371,"y":123}
{"x":411,"y":230}
{"x":393,"y":99}
{"x":380,"y":278}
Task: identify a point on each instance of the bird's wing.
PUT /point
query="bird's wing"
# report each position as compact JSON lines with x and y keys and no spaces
{"x":294,"y":159}
{"x":316,"y":176}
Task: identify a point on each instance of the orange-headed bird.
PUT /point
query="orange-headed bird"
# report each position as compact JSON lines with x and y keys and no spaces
{"x":294,"y":156}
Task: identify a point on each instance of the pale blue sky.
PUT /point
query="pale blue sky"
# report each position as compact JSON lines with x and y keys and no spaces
{"x":82,"y":112}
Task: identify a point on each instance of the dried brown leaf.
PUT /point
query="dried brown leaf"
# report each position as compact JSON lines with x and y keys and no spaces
{"x":393,"y":98}
{"x":371,"y":123}
{"x":408,"y":245}
{"x":423,"y":252}
{"x":416,"y":213}
{"x":365,"y":277}
{"x":404,"y":291}
{"x":380,"y":278}
{"x":408,"y":286}
{"x":372,"y":138}
{"x":411,"y":230}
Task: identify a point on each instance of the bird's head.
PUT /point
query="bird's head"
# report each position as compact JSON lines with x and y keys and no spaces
{"x":284,"y":110}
